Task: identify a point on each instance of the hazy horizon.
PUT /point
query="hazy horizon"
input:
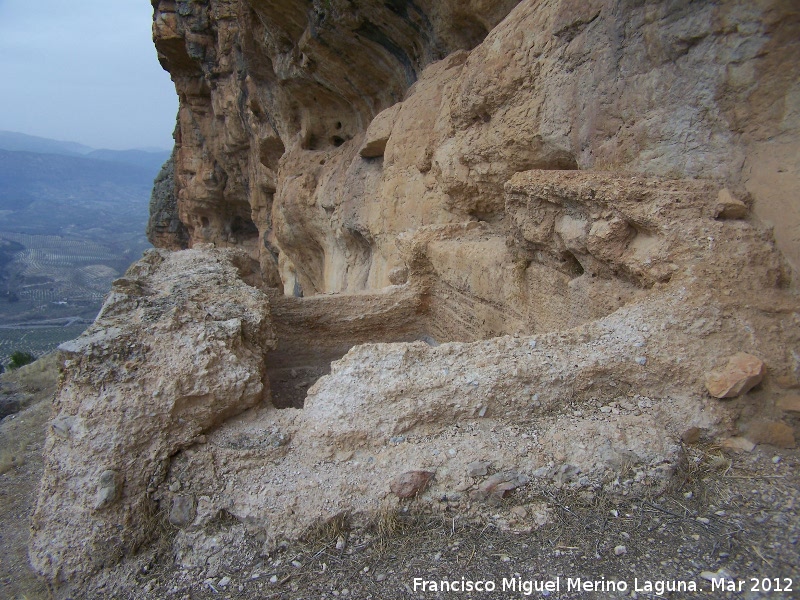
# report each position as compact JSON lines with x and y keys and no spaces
{"x":85,"y":73}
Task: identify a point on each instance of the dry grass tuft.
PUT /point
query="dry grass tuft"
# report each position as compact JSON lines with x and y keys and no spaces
{"x":37,"y":376}
{"x":156,"y":526}
{"x":387,"y":522}
{"x":327,"y":532}
{"x":705,"y":460}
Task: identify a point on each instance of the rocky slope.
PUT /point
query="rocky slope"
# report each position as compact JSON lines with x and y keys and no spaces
{"x":552,"y":217}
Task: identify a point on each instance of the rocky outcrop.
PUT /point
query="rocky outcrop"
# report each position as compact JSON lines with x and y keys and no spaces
{"x":475,"y":245}
{"x":177,"y":349}
{"x":184,"y":344}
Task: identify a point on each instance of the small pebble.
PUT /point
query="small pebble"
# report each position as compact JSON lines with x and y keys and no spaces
{"x":620,"y":550}
{"x":273,"y":579}
{"x":703,"y":520}
{"x":776,"y":459}
{"x":641,"y":360}
{"x":224,"y":581}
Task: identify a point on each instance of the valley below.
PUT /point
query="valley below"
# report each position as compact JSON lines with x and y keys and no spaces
{"x":69,"y":225}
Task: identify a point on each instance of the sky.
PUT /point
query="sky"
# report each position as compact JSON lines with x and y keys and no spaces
{"x":84,"y":72}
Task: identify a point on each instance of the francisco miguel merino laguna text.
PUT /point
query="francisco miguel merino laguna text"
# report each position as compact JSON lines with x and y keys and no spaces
{"x":526,"y":587}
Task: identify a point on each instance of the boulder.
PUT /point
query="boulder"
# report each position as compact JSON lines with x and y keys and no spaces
{"x":741,"y":373}
{"x":177,"y":348}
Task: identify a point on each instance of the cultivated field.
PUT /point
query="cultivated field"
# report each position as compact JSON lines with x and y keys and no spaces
{"x":54,"y":288}
{"x":70,"y":226}
{"x":36,"y":340}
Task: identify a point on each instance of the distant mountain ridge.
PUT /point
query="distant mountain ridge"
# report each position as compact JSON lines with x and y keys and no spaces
{"x":21,"y":142}
{"x":12,"y":140}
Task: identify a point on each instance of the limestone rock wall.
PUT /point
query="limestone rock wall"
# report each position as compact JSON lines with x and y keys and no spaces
{"x":313,"y":133}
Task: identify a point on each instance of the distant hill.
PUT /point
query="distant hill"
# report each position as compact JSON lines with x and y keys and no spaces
{"x":11,"y":140}
{"x":140,"y":157}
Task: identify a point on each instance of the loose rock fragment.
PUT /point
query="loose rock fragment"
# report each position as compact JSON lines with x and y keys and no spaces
{"x":182,"y":511}
{"x":691,"y":435}
{"x":742,"y":373}
{"x":729,"y":207}
{"x":519,"y":512}
{"x":499,"y":485}
{"x":410,"y":483}
{"x":720,"y":576}
{"x":790,"y":404}
{"x":773,"y":433}
{"x":738,"y":444}
{"x":478,"y":468}
{"x":107,"y":489}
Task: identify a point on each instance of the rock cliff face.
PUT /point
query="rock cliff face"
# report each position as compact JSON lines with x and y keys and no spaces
{"x":164,"y":228}
{"x":313,"y":133}
{"x":519,"y":234}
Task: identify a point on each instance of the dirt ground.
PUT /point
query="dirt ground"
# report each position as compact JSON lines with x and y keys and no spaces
{"x":21,"y":442}
{"x":729,"y":516}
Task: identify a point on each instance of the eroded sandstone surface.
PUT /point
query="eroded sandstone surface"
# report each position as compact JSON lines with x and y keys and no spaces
{"x":502,"y":243}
